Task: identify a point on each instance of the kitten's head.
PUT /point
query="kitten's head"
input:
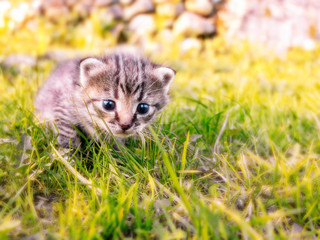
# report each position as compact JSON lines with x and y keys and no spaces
{"x":123,"y":91}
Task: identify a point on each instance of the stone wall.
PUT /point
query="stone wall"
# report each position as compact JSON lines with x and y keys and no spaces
{"x":132,"y":19}
{"x":280,"y":24}
{"x":190,"y":17}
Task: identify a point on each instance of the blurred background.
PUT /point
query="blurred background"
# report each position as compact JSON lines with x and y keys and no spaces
{"x":47,"y":28}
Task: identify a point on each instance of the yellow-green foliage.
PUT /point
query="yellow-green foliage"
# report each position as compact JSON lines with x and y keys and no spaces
{"x":234,"y":156}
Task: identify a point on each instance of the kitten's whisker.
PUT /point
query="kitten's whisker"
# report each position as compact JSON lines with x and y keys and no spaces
{"x":155,"y":90}
{"x":150,"y":86}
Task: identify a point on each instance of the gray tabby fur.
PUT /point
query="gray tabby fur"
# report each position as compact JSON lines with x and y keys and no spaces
{"x":73,"y":94}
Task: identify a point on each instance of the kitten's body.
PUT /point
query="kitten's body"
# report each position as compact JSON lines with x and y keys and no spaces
{"x":81,"y":94}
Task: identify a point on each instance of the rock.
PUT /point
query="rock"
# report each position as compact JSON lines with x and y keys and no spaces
{"x":125,"y":2}
{"x":116,"y":11}
{"x":191,"y":24}
{"x":70,"y":3}
{"x":201,"y":7}
{"x":104,"y":3}
{"x":104,"y":17}
{"x":141,"y":27}
{"x":84,"y":7}
{"x":88,"y":2}
{"x":108,"y":15}
{"x":169,"y":9}
{"x":142,"y":24}
{"x":139,"y":6}
{"x":54,"y":13}
{"x":53,"y":9}
{"x":53,"y":4}
{"x":160,"y":1}
{"x":187,"y":45}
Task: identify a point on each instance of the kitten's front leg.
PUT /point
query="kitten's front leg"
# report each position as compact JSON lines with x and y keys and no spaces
{"x":68,"y":138}
{"x":67,"y":147}
{"x":69,"y":141}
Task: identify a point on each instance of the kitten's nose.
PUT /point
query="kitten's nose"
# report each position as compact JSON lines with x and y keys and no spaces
{"x":125,"y":126}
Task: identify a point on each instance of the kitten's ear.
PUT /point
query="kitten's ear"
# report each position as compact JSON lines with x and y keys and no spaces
{"x":90,"y":67}
{"x":166,"y":76}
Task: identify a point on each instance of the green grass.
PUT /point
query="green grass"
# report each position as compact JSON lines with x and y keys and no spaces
{"x":234,"y":156}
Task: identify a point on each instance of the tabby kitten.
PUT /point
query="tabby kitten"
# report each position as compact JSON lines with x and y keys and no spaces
{"x":117,"y":93}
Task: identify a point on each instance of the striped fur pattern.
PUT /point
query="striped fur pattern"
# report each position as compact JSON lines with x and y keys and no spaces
{"x":74,"y":94}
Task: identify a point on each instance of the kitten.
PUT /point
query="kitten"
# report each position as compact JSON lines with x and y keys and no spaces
{"x":117,"y":93}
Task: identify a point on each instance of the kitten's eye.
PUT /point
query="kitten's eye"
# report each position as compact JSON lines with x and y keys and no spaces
{"x":143,"y":108}
{"x":109,"y":105}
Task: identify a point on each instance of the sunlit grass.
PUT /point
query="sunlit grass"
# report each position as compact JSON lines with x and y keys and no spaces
{"x":235,"y":155}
